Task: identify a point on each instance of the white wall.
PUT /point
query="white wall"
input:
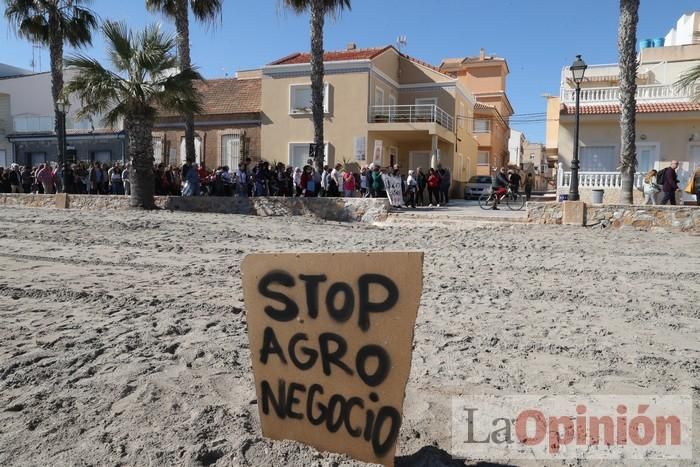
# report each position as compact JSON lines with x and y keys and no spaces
{"x":515,"y":146}
{"x":683,"y":33}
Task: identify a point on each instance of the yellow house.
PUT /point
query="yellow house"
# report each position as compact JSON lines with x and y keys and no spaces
{"x":381,"y":106}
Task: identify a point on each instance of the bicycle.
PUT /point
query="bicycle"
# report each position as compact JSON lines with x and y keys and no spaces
{"x":514,"y":201}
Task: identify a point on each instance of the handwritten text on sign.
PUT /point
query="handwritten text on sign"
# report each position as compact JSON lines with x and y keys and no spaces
{"x":330,"y":340}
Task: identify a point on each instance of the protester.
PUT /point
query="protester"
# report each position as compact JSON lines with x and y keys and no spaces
{"x":44,"y":176}
{"x":364,"y":182}
{"x":650,"y":188}
{"x":421,"y":184}
{"x":529,"y":182}
{"x":514,"y":179}
{"x":411,"y":189}
{"x":445,"y":182}
{"x":15,"y":178}
{"x":499,"y":185}
{"x":377,"y":183}
{"x":348,"y":184}
{"x":670,"y":183}
{"x":433,"y":188}
{"x":693,"y":187}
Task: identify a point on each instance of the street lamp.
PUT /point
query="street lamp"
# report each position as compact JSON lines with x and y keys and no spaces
{"x":578,"y":69}
{"x":63,"y":106}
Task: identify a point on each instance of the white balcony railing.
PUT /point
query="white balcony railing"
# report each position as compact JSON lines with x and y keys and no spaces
{"x":611,"y":95}
{"x":597,"y":180}
{"x":427,"y":113}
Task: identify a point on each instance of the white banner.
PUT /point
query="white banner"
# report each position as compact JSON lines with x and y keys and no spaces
{"x":378,"y":151}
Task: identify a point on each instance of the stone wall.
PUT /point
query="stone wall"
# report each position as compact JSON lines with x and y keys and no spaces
{"x":610,"y":195}
{"x":335,"y":209}
{"x":670,"y":218}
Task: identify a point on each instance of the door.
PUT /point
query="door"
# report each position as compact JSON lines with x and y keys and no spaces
{"x":647,"y":156}
{"x":425,"y":110}
{"x":38,"y":158}
{"x":419,"y":159}
{"x":103,"y":156}
{"x":3,"y":159}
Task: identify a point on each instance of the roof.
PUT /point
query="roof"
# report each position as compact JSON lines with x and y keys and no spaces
{"x":227,"y":96}
{"x":605,"y":109}
{"x":347,"y":55}
{"x":480,"y":106}
{"x":69,"y":132}
{"x":332,"y":56}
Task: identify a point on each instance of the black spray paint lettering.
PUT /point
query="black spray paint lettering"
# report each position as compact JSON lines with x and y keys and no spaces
{"x":332,"y":349}
{"x":380,"y":428}
{"x":341,"y":313}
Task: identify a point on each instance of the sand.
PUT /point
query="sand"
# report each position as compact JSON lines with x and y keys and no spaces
{"x":123,"y":339}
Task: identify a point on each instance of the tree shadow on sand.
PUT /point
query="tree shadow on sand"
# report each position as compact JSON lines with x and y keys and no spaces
{"x":430,"y":456}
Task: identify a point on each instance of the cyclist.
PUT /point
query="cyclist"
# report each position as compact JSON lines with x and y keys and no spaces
{"x":499,"y":185}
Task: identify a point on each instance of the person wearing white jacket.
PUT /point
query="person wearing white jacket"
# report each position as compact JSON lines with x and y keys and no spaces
{"x":650,"y":188}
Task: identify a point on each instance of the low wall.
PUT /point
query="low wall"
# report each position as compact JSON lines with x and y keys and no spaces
{"x":335,"y":209}
{"x":671,"y":218}
{"x":610,"y":195}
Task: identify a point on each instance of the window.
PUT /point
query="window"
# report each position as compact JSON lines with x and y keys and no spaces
{"x":300,"y":98}
{"x":598,"y":159}
{"x":378,"y":96}
{"x":157,"y":149}
{"x":299,"y":154}
{"x":647,"y":156}
{"x":37,"y":158}
{"x":482,"y":158}
{"x":426,"y":109}
{"x":230,"y":150}
{"x":197,"y":149}
{"x":102,"y":156}
{"x":392,"y":100}
{"x":482,"y":125}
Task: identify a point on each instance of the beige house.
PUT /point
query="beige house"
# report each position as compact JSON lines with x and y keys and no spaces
{"x":485,"y":76}
{"x":668,"y":121}
{"x":382,"y":107}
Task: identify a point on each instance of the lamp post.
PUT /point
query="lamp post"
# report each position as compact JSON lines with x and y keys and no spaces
{"x":63,"y":107}
{"x":578,"y":69}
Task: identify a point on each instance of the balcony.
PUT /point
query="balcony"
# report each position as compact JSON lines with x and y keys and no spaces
{"x":427,"y":113}
{"x":611,"y":95}
{"x":596,"y":180}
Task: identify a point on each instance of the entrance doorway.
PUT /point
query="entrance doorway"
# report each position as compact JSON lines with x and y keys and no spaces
{"x":419,"y":159}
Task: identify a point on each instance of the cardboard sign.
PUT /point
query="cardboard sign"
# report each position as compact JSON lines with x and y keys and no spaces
{"x":331,"y":337}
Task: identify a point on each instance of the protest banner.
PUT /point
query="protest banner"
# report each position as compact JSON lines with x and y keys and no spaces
{"x":331,"y":337}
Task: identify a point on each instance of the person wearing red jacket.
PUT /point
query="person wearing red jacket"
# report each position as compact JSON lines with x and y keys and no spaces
{"x":433,"y":187}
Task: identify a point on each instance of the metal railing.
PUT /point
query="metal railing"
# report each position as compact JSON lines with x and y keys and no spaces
{"x":427,"y":113}
{"x":611,"y":95}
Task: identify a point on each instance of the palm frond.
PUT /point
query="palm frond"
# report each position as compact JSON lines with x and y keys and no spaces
{"x":689,"y":80}
{"x":166,"y":7}
{"x":207,"y":11}
{"x":331,"y":7}
{"x":78,"y":25}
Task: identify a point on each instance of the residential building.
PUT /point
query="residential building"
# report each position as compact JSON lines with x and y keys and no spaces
{"x":226,"y":132}
{"x":668,"y":120}
{"x":515,"y":148}
{"x":27,"y":125}
{"x":552,"y":131}
{"x":381,"y":106}
{"x":535,"y":158}
{"x":485,"y":76}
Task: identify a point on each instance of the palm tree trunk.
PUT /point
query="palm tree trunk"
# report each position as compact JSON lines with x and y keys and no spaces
{"x":138,"y":133}
{"x":626,"y":44}
{"x":182,"y":26}
{"x":317,"y":20}
{"x":56,"y":56}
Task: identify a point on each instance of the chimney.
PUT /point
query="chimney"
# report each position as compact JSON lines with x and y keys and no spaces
{"x":351,"y":46}
{"x":482,"y":54}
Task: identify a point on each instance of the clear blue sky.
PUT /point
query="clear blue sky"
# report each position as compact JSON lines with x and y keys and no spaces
{"x":537,"y":37}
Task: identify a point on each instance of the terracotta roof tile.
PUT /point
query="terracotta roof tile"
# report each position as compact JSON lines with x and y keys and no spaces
{"x":343,"y":55}
{"x":331,"y":56}
{"x":604,"y":109}
{"x":228,"y":96}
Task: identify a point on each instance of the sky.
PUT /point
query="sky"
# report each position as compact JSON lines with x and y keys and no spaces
{"x":537,"y":37}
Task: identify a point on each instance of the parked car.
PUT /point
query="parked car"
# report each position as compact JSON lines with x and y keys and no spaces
{"x":476,"y":186}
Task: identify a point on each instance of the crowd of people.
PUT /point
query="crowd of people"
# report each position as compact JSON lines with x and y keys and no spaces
{"x":418,"y":188}
{"x":664,"y":184}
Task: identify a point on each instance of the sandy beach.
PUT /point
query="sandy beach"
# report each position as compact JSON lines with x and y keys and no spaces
{"x":123,"y":334}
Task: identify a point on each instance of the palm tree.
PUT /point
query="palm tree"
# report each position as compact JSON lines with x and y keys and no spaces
{"x":205,"y":11}
{"x":626,"y":44}
{"x":141,"y":82}
{"x":318,"y":9}
{"x":53,"y":23}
